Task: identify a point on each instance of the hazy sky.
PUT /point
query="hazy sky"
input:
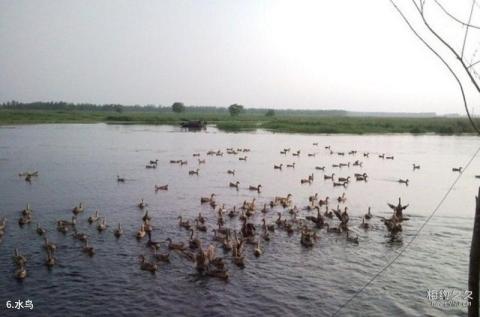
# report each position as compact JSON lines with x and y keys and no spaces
{"x":349,"y":54}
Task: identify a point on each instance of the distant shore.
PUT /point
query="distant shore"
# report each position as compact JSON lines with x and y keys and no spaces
{"x":250,"y":122}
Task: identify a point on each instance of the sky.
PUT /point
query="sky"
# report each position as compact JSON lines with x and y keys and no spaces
{"x":346,"y":54}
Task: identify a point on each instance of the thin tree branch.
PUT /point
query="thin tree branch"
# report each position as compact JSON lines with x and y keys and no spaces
{"x":440,"y":57}
{"x":453,"y":17}
{"x":468,"y":25}
{"x":473,"y":64}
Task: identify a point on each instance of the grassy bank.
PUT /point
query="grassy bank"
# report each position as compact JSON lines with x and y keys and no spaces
{"x":247,"y":122}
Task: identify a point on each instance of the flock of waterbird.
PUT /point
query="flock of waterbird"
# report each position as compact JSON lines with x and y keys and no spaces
{"x":247,"y":225}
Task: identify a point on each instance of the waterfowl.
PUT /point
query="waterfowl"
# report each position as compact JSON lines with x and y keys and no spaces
{"x":264,"y":209}
{"x":118,"y":231}
{"x":305,"y":181}
{"x":335,"y":165}
{"x":78,"y":209}
{"x":120,"y":179}
{"x":242,"y":158}
{"x":147,"y":266}
{"x":457,"y":169}
{"x":79,"y":236}
{"x":341,"y":153}
{"x":201,"y":218}
{"x":344,"y":179}
{"x":183,"y":163}
{"x":194,"y":172}
{"x":256,"y":188}
{"x":184,"y":223}
{"x":193,"y":243}
{"x":50,"y":261}
{"x":389,"y":157}
{"x":364,"y":224}
{"x":415,"y":167}
{"x":342,"y":199}
{"x":361,"y":177}
{"x":368,"y":215}
{"x":66,"y":223}
{"x":306,"y":239}
{"x":296,"y":153}
{"x":21,"y":272}
{"x":200,"y":226}
{"x":232,"y":172}
{"x":155,"y":162}
{"x":333,"y":229}
{"x":277,"y":167}
{"x":327,"y":213}
{"x":148,"y":226}
{"x":151,"y":166}
{"x":403,"y":181}
{"x":315,"y":143}
{"x":291,"y":165}
{"x":141,"y":233}
{"x":23,"y":220}
{"x":3,"y":223}
{"x":258,"y":251}
{"x":88,"y":249}
{"x":49,"y":246}
{"x":146,"y":217}
{"x":357,"y":163}
{"x":207,"y":199}
{"x":311,"y":154}
{"x":175,"y":246}
{"x":102,"y":225}
{"x":382,"y":156}
{"x":161,"y":257}
{"x":19,"y":259}
{"x":235,"y":185}
{"x":344,"y":165}
{"x":352,"y":239}
{"x":201,"y":161}
{"x":336,"y":184}
{"x":141,"y":204}
{"x":162,"y":187}
{"x":93,"y":217}
{"x":40,"y":231}
{"x":366,"y":154}
{"x":322,"y":202}
{"x":329,"y":177}
{"x":150,"y":243}
{"x":398,"y":210}
{"x":233,"y":212}
{"x":320,"y":168}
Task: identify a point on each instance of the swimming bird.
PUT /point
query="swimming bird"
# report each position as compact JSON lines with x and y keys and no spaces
{"x":403,"y":181}
{"x":147,"y":266}
{"x":320,"y":168}
{"x":291,"y":165}
{"x":256,"y":188}
{"x":50,"y":261}
{"x":40,"y":231}
{"x":79,"y":236}
{"x":329,"y":177}
{"x":120,"y":179}
{"x":194,"y":172}
{"x":184,"y":223}
{"x":277,"y":167}
{"x":232,"y":172}
{"x":207,"y":199}
{"x":118,"y":231}
{"x":141,"y":204}
{"x":258,"y":251}
{"x":368,"y":215}
{"x":88,"y":249}
{"x":175,"y":246}
{"x":415,"y":167}
{"x":457,"y":169}
{"x":351,"y":239}
{"x":102,"y":225}
{"x":146,"y":217}
{"x":162,"y":187}
{"x":398,"y":210}
{"x":235,"y":185}
{"x":78,"y":209}
{"x":364,"y":224}
{"x":19,"y":259}
{"x":342,"y":199}
{"x":141,"y":233}
{"x":93,"y":217}
{"x":49,"y":246}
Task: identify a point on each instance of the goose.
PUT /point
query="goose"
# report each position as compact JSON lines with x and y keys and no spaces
{"x":194,"y":243}
{"x":50,"y":261}
{"x":398,"y":209}
{"x":207,"y":199}
{"x":78,"y":209}
{"x":232,"y":172}
{"x":243,"y":158}
{"x":21,"y":272}
{"x":306,"y":239}
{"x":18,"y":258}
{"x":238,"y":260}
{"x":161,"y":257}
{"x":148,"y":226}
{"x":320,"y":168}
{"x":389,"y":157}
{"x":327,"y":213}
{"x":227,"y":243}
{"x":333,"y":229}
{"x":257,"y":188}
{"x":154,"y":162}
{"x":297,"y":153}
{"x":291,"y":165}
{"x":352,"y":239}
{"x":235,"y":185}
{"x":194,"y":172}
{"x":201,"y":218}
{"x":232,"y":213}
{"x":277,"y":167}
{"x":201,"y":162}
{"x":175,"y":246}
{"x":279,"y":221}
{"x":313,"y":198}
{"x":357,"y":163}
{"x":368,"y":215}
{"x":183,"y":163}
{"x":364,"y":224}
{"x":344,"y":164}
{"x":40,"y":231}
{"x":341,"y":153}
{"x":322,"y":202}
{"x":329,"y":177}
{"x":151,"y":166}
{"x":335,"y":165}
{"x":361,"y":177}
{"x":315,"y":143}
{"x":141,"y":233}
{"x":200,"y":226}
{"x":147,"y":266}
{"x":49,"y":246}
{"x":382,"y":156}
{"x":66,"y":223}
{"x":161,"y":187}
{"x":258,"y":250}
{"x":266,"y":235}
{"x":457,"y":169}
{"x":79,"y":236}
{"x":366,"y":154}
{"x":102,"y":225}
{"x":120,"y":179}
{"x":150,"y":243}
{"x":93,"y":217}
{"x":403,"y":181}
{"x":141,"y":204}
{"x":184,"y":223}
{"x":3,"y":223}
{"x":311,"y":154}
{"x":118,"y":232}
{"x":264,"y":209}
{"x":305,"y":181}
{"x":344,"y":179}
{"x":23,"y":220}
{"x":146,"y":217}
{"x":352,"y":152}
{"x":88,"y":249}
{"x":415,"y":167}
{"x":342,"y":199}
{"x":336,"y":184}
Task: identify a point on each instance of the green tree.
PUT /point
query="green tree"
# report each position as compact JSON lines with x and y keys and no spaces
{"x":178,"y":107}
{"x":235,"y":109}
{"x":270,"y":113}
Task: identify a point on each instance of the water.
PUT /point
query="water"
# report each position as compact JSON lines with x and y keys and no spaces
{"x":79,"y":163}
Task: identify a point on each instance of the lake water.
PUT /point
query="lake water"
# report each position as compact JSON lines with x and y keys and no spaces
{"x":79,"y":163}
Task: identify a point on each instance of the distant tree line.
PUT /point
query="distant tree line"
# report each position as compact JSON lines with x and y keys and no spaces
{"x":177,"y":107}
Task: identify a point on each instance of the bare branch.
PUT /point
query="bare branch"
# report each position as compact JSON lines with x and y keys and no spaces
{"x":454,"y":18}
{"x":473,"y":64}
{"x":468,"y":25}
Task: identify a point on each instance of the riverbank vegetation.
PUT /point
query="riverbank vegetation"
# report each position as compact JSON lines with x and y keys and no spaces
{"x":289,"y":121}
